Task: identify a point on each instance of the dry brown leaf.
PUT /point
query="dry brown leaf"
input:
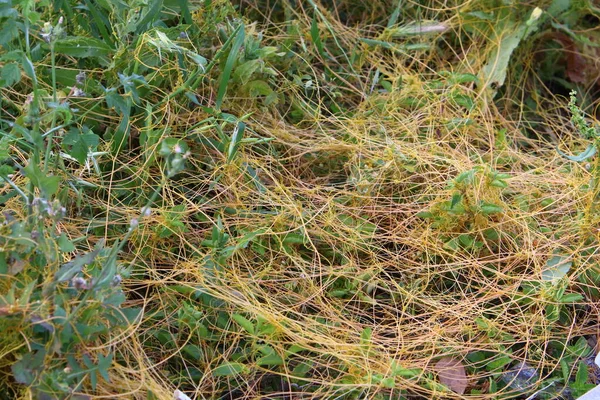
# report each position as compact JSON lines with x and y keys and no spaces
{"x":576,"y":63}
{"x":452,"y":374}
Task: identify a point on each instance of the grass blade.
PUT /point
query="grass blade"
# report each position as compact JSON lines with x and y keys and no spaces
{"x":231,"y":58}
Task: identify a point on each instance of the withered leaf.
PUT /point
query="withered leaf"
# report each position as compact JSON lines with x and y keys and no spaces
{"x":451,"y":373}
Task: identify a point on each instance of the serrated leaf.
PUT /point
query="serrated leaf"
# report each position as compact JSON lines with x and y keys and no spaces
{"x":244,"y":71}
{"x":10,"y":74}
{"x":9,"y":31}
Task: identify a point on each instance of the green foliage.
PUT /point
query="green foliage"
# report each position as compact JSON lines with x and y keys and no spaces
{"x":255,"y":184}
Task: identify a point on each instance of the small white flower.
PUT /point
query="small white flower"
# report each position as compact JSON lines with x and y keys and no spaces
{"x":535,"y":15}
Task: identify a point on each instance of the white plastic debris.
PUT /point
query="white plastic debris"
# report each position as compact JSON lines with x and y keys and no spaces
{"x":178,"y":395}
{"x":593,"y":394}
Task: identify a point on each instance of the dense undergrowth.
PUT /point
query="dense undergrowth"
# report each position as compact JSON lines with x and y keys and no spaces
{"x":298,"y":199}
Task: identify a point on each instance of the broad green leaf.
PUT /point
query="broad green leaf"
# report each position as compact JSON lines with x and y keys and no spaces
{"x":10,"y":74}
{"x":47,"y":184}
{"x":64,"y":244}
{"x":83,"y":47}
{"x":81,"y":144}
{"x":456,"y":198}
{"x":243,"y":72}
{"x":571,"y":298}
{"x":509,"y":34}
{"x":195,"y":352}
{"x":229,"y":369}
{"x":70,"y":269}
{"x":301,"y":369}
{"x":270,"y":359}
{"x":490,"y":208}
{"x":556,"y":268}
{"x":152,"y":12}
{"x":244,"y":323}
{"x":8,"y":32}
{"x":499,"y":183}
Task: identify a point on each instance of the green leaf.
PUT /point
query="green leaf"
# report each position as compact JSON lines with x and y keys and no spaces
{"x":499,"y":183}
{"x":456,"y":199}
{"x":244,"y":323}
{"x":152,"y":13}
{"x":452,"y":244}
{"x":236,"y":138}
{"x":195,"y":352}
{"x":64,"y":244}
{"x":6,"y":170}
{"x":229,"y":369}
{"x":81,"y":144}
{"x":571,"y":298}
{"x":365,"y":336}
{"x":47,"y":184}
{"x":509,"y":35}
{"x":28,"y":68}
{"x":582,"y":374}
{"x":10,"y":74}
{"x":244,"y":71}
{"x":83,"y":47}
{"x":490,"y":208}
{"x":231,"y":58}
{"x":70,"y":269}
{"x":302,"y":369}
{"x":8,"y":32}
{"x":104,"y":364}
{"x":556,"y":268}
{"x":270,"y":359}
{"x":590,"y":151}
{"x":498,"y":363}
{"x":315,"y":35}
